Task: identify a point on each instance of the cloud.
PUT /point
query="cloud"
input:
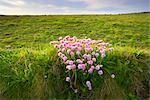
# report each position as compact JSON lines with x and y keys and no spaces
{"x":23,"y":7}
{"x":98,"y":4}
{"x":33,"y":7}
{"x":13,"y":2}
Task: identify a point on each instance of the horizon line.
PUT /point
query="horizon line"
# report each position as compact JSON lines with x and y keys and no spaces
{"x":74,"y":14}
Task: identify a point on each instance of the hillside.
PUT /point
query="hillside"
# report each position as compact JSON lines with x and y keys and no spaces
{"x":30,"y":68}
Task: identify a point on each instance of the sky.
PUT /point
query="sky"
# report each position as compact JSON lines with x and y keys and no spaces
{"x":46,"y":7}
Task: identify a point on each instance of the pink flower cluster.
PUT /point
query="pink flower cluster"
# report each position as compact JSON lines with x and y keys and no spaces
{"x":82,"y":54}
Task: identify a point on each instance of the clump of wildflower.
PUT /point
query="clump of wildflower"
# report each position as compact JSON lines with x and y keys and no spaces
{"x":81,"y":55}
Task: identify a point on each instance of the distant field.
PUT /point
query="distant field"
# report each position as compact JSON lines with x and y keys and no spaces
{"x":36,"y":31}
{"x":30,"y":68}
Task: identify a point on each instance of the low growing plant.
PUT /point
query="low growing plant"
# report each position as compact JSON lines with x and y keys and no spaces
{"x":83,"y":62}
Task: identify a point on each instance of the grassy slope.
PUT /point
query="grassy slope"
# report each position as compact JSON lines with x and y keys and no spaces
{"x":36,"y":31}
{"x":29,"y":68}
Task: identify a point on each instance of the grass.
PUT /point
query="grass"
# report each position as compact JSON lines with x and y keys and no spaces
{"x":29,"y":68}
{"x":36,"y":31}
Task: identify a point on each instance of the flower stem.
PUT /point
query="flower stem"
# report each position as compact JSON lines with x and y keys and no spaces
{"x":75,"y":78}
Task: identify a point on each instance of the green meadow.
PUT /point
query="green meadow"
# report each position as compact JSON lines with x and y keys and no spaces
{"x":30,"y":68}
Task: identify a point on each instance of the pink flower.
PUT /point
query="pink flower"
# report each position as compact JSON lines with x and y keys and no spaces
{"x":73,"y":47}
{"x":70,"y":62}
{"x":63,"y":49}
{"x":88,"y":57}
{"x":93,"y":53}
{"x":78,"y":52}
{"x":84,"y":56}
{"x":90,"y":70}
{"x":60,"y":46}
{"x":99,"y":41}
{"x":97,"y":67}
{"x":67,"y":37}
{"x":100,"y":72}
{"x":92,"y":67}
{"x":64,"y":58}
{"x":70,"y":39}
{"x":102,"y":55}
{"x":81,"y":66}
{"x":71,"y":66}
{"x":56,"y":46}
{"x":89,"y":85}
{"x":79,"y":48}
{"x":102,"y":51}
{"x":94,"y":59}
{"x":62,"y":55}
{"x":68,"y":51}
{"x":79,"y":61}
{"x":75,"y":37}
{"x":85,"y":64}
{"x":72,"y":53}
{"x":61,"y":41}
{"x":91,"y":49}
{"x":96,"y":54}
{"x":59,"y":54}
{"x":90,"y":62}
{"x":82,"y":59}
{"x":51,"y":43}
{"x":113,"y":75}
{"x":67,"y":79}
{"x":67,"y":62}
{"x":59,"y":50}
{"x":60,"y":38}
{"x":54,"y":42}
{"x":87,"y":49}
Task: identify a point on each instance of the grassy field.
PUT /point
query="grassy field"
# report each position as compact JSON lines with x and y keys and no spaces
{"x":29,"y":67}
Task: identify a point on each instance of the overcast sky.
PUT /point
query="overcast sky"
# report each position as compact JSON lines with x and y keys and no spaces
{"x":38,"y":7}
